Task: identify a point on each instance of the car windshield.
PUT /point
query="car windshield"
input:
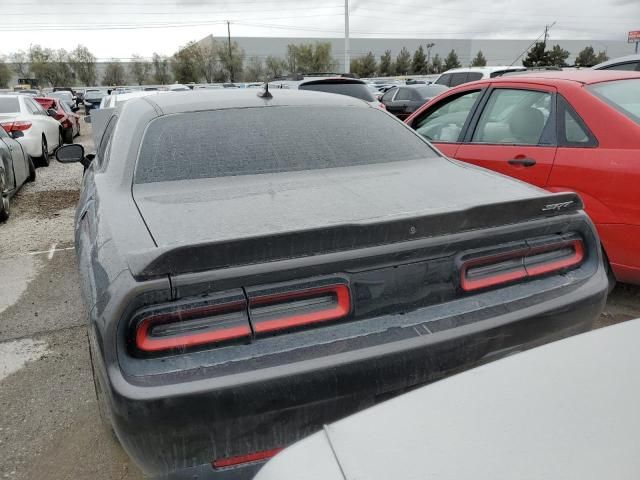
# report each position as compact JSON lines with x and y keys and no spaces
{"x":431,"y":91}
{"x":267,"y":140}
{"x":357,"y":90}
{"x":9,"y":105}
{"x":623,"y":95}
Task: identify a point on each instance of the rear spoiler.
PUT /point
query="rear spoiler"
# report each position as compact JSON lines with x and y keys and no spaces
{"x":306,"y":243}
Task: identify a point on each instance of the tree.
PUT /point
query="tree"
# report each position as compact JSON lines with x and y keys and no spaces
{"x":479,"y":60}
{"x":310,"y":57}
{"x":209,"y":58}
{"x":83,"y":64}
{"x":20,"y":63}
{"x":275,"y":66}
{"x":114,"y":73}
{"x":419,"y":62}
{"x":231,"y":59}
{"x":403,"y":62}
{"x":5,"y":74}
{"x":538,"y":56}
{"x":589,"y":58}
{"x":364,"y":66}
{"x":255,"y":71}
{"x":452,"y":61}
{"x":436,"y":64}
{"x":601,"y":57}
{"x":50,"y":66}
{"x":186,"y":63}
{"x":386,"y":64}
{"x":558,"y":56}
{"x":139,"y":69}
{"x":161,"y":73}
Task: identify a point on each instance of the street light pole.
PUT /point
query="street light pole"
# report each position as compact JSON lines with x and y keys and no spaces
{"x":347,"y":53}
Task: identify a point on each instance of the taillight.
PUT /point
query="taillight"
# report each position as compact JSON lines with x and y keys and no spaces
{"x":244,"y":459}
{"x":532,"y":259}
{"x":189,"y":325}
{"x":284,"y":311}
{"x":16,"y":126}
{"x":230,"y":317}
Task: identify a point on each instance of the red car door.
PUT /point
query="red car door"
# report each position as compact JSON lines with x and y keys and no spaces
{"x":443,"y":122}
{"x":514,"y":133}
{"x":598,"y":158}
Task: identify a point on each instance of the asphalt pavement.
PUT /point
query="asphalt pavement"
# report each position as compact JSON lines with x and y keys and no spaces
{"x":49,"y":424}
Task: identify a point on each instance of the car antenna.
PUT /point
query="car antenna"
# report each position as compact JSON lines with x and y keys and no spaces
{"x":265,"y":93}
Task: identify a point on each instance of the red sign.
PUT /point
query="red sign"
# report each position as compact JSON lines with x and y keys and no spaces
{"x":634,"y":36}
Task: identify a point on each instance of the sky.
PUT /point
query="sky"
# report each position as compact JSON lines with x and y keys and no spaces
{"x":121,"y":28}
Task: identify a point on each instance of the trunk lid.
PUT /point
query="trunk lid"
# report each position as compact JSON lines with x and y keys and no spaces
{"x":204,"y":224}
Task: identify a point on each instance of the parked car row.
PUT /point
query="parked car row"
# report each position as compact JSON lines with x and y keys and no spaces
{"x":259,"y":263}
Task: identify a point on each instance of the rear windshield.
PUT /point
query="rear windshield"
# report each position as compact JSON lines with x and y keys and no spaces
{"x":357,"y":90}
{"x":248,"y":141}
{"x":94,"y":94}
{"x":9,"y":105}
{"x":623,"y":95}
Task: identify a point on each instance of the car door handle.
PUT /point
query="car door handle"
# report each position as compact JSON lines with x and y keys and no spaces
{"x":525,"y":162}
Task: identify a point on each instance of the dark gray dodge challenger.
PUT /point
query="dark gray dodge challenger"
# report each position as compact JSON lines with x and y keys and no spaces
{"x":256,"y":267}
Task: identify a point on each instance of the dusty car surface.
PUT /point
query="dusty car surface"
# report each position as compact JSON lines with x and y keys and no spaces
{"x":515,"y":418}
{"x":258,"y":265}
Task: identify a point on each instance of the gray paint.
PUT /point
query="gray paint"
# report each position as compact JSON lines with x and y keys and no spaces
{"x":269,"y":204}
{"x":567,"y":410}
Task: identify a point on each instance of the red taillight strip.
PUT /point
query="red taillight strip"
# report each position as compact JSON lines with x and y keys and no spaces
{"x":242,"y":459}
{"x":149,"y":344}
{"x":341,"y":309}
{"x":523,"y":271}
{"x":575,"y":259}
{"x":468,"y":284}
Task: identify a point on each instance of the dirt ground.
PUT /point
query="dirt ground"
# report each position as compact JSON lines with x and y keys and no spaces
{"x":49,"y":425}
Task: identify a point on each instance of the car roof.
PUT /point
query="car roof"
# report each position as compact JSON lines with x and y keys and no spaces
{"x":119,"y":97}
{"x":485,"y":69}
{"x":586,"y":76}
{"x":331,"y":80}
{"x":202,"y":99}
{"x":628,"y":58}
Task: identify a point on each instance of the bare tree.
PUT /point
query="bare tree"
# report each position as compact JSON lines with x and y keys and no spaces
{"x":139,"y":69}
{"x":254,"y":71}
{"x":20,"y":63}
{"x":83,"y":64}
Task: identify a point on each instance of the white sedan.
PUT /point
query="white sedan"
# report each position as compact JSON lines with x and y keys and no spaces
{"x":42,"y":134}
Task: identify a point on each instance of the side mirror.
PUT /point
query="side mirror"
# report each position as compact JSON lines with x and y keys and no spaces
{"x":70,"y":153}
{"x":51,"y":112}
{"x":15,"y":134}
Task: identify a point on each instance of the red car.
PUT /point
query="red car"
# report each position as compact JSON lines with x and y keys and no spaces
{"x":65,"y":115}
{"x":563,"y":131}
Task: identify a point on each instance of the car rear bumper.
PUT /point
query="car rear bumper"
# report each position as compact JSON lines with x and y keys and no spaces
{"x":176,"y":430}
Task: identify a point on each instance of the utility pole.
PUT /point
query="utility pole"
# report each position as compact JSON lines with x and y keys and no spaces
{"x":230,"y":52}
{"x":546,"y":33}
{"x":347,"y":53}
